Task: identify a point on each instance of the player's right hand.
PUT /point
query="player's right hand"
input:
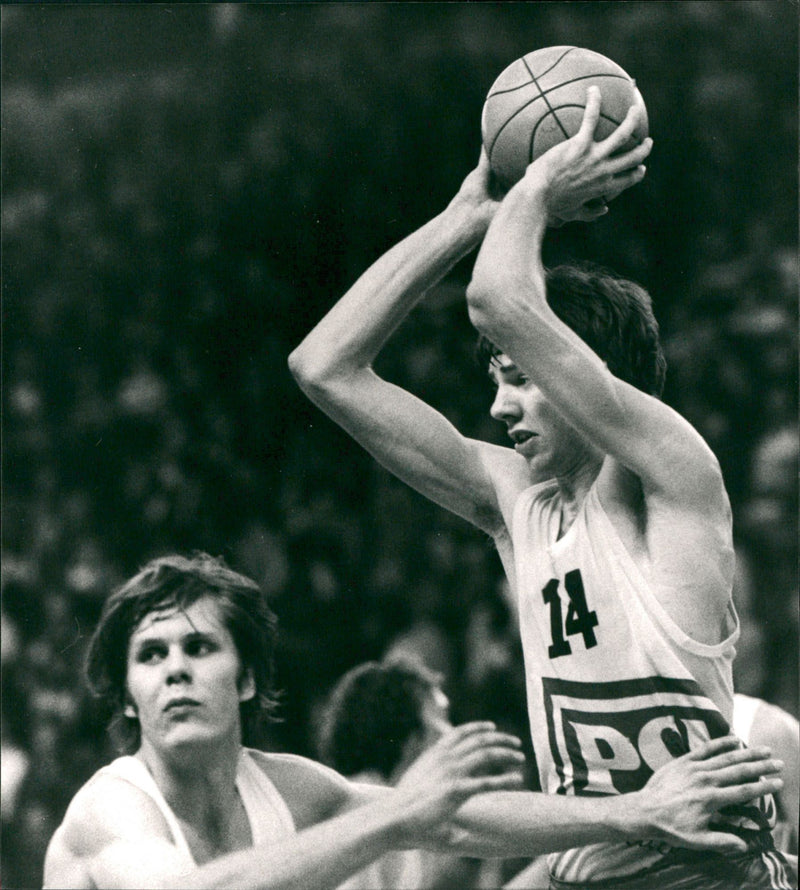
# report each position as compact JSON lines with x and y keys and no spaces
{"x":467,"y":760}
{"x":682,"y":799}
{"x":581,"y":176}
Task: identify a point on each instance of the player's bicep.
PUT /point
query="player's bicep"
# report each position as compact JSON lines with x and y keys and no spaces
{"x":109,"y":863}
{"x":148,"y":864}
{"x":417,"y":444}
{"x":64,"y":869}
{"x":664,"y":450}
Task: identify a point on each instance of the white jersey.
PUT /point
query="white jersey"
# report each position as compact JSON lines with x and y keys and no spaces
{"x":395,"y":870}
{"x":267,"y":813}
{"x":744,"y":713}
{"x":615,"y":688}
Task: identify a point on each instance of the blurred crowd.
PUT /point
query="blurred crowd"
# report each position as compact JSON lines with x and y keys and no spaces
{"x":169,"y":236}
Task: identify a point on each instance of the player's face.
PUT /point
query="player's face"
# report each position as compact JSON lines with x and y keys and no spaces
{"x":185,"y":678}
{"x":540,"y":434}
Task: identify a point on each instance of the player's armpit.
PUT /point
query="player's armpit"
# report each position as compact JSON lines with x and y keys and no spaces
{"x":325,"y":792}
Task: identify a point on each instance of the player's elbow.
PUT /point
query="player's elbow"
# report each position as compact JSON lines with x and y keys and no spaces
{"x":311,"y":371}
{"x":326,"y":383}
{"x":300,"y":366}
{"x":499,"y":298}
{"x":479,"y":305}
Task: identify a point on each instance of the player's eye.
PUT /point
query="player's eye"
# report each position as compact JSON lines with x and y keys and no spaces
{"x":199,"y":646}
{"x":150,"y":654}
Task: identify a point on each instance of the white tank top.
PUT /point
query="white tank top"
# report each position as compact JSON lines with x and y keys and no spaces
{"x":267,"y":813}
{"x":615,"y":688}
{"x":744,"y":713}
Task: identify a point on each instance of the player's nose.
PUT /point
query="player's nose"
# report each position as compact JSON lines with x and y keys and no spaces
{"x":504,"y":407}
{"x":177,"y":666}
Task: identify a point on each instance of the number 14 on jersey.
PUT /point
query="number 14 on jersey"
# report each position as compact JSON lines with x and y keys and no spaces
{"x":579,"y":619}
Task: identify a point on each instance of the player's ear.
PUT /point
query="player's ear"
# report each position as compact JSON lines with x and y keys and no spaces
{"x":247,"y":685}
{"x":129,"y":708}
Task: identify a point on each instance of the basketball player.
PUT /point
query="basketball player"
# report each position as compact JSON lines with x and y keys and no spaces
{"x":757,"y":722}
{"x":621,"y":560}
{"x":380,"y":717}
{"x":183,"y":653}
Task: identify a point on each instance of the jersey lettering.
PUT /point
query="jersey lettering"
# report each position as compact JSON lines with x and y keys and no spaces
{"x":579,"y":619}
{"x":608,"y":737}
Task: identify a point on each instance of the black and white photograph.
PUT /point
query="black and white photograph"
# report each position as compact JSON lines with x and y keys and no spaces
{"x":400,"y":448}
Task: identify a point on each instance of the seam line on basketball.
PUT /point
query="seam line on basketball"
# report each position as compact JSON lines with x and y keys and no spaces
{"x":533,"y":79}
{"x":534,"y":82}
{"x":552,"y":111}
{"x":558,"y":86}
{"x":543,"y":95}
{"x":543,"y":118}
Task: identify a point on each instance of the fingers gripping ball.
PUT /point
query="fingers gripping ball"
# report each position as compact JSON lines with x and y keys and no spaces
{"x":538,"y":101}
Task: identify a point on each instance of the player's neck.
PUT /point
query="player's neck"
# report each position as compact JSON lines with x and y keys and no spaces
{"x":573,"y":485}
{"x":195,"y":781}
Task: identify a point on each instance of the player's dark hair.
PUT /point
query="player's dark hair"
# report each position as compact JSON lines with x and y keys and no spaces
{"x":612,"y":315}
{"x":177,"y":582}
{"x":372,"y":711}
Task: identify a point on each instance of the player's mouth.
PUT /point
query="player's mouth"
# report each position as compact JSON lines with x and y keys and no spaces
{"x":521,"y":438}
{"x":181,"y":704}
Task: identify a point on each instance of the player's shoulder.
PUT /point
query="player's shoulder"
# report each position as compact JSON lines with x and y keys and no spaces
{"x":108,"y":807}
{"x":63,"y":867}
{"x":311,"y":790}
{"x":508,"y":472}
{"x":105,"y":810}
{"x":271,"y":761}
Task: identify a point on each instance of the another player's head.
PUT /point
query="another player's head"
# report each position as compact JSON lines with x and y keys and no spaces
{"x":613,"y":315}
{"x":380,"y":717}
{"x":167,"y":587}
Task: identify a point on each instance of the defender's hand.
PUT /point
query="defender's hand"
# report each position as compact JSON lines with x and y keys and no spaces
{"x":682,"y":798}
{"x":467,"y":760}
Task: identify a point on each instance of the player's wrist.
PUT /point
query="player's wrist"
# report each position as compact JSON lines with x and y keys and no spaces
{"x":394,"y":821}
{"x":628,"y":816}
{"x":469,"y":218}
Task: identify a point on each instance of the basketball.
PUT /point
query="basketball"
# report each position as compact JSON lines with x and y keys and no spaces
{"x":538,"y":101}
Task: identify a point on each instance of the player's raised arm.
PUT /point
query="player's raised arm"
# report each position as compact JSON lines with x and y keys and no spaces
{"x":507,"y":302}
{"x":333,"y":365}
{"x":639,"y":449}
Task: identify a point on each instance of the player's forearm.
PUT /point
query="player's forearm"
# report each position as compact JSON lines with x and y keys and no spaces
{"x":508,"y":304}
{"x":508,"y":276}
{"x":507,"y":824}
{"x":351,"y":335}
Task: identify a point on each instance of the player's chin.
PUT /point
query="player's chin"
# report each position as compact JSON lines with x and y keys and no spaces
{"x":539,"y":467}
{"x":191,"y":731}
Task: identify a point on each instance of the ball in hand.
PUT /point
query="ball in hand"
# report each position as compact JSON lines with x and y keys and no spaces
{"x":539,"y":100}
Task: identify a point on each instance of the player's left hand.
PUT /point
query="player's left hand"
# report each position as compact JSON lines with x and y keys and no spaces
{"x":481,"y":191}
{"x":467,"y":760}
{"x":682,"y":799}
{"x":580,"y":177}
